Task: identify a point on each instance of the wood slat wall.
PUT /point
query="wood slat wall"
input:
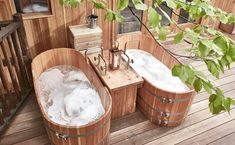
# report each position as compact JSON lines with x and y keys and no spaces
{"x":7,"y":8}
{"x":51,"y":31}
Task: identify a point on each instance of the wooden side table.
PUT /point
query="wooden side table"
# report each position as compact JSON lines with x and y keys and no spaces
{"x":121,"y":83}
{"x":81,"y":38}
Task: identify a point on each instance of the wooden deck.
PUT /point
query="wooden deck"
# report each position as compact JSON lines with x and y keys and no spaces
{"x":199,"y":128}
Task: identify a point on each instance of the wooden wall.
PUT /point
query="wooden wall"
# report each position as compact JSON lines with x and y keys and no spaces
{"x":51,"y":31}
{"x":7,"y":8}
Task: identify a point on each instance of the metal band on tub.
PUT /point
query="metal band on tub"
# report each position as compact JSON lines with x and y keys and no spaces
{"x":65,"y":136}
{"x":162,"y":113}
{"x":165,"y":99}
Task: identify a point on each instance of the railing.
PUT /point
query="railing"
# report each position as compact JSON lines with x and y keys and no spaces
{"x":15,"y":82}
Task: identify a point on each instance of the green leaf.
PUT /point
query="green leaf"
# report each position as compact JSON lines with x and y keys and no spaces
{"x":197,"y":85}
{"x":171,"y":4}
{"x":211,"y":31}
{"x":212,"y":98}
{"x":231,"y":19}
{"x":99,"y":5}
{"x":231,"y":51}
{"x":213,"y":68}
{"x":226,"y":104}
{"x":122,"y":4}
{"x":223,"y":19}
{"x":203,"y":49}
{"x":190,"y":74}
{"x":154,"y":18}
{"x":197,"y":29}
{"x":176,"y":71}
{"x":221,"y":43}
{"x":211,"y":106}
{"x":157,"y":2}
{"x":74,"y":3}
{"x":163,"y":33}
{"x":179,"y":37}
{"x":139,"y":5}
{"x":119,"y":18}
{"x":233,"y":102}
{"x":207,"y":86}
{"x":110,"y":16}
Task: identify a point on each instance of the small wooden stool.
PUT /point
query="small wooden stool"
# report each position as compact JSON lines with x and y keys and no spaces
{"x":122,"y":85}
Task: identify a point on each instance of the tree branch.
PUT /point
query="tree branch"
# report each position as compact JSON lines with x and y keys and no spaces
{"x":189,"y":57}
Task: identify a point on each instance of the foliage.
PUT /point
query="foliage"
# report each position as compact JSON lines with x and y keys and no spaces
{"x":208,"y":44}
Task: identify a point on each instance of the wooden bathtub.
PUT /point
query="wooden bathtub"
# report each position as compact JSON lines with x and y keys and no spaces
{"x":94,"y":133}
{"x":159,"y":106}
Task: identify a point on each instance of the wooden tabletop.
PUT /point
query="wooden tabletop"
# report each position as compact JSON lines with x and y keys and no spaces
{"x":116,"y":79}
{"x":83,"y":30}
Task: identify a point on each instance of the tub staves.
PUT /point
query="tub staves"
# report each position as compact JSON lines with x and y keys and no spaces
{"x":93,"y":133}
{"x":161,"y":107}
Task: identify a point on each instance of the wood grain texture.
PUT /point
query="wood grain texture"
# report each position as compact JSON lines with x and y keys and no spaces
{"x":156,"y":103}
{"x":136,"y":129}
{"x":51,"y":31}
{"x":7,"y":9}
{"x":91,"y":134}
{"x":82,"y":37}
{"x":121,"y":83}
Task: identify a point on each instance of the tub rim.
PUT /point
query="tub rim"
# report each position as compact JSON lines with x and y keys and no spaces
{"x":45,"y":116}
{"x":191,"y":89}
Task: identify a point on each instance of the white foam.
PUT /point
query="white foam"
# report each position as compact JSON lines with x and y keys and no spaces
{"x":67,"y":96}
{"x":155,"y":71}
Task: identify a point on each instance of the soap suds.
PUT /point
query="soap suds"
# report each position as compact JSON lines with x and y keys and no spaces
{"x":68,"y":98}
{"x":155,"y":71}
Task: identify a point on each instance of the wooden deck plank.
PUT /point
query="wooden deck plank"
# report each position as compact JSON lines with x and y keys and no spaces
{"x":15,"y":128}
{"x":195,"y":129}
{"x":131,"y":137}
{"x":40,"y":140}
{"x":211,"y":135}
{"x":127,"y":121}
{"x":226,"y":140}
{"x":23,"y":135}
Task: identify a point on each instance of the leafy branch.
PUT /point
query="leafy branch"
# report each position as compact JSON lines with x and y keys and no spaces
{"x":212,"y":47}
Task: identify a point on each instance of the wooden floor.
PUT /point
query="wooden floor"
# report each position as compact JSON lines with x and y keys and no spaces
{"x":199,"y":128}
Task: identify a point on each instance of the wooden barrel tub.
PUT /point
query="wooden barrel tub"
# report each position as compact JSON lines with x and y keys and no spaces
{"x":161,"y":107}
{"x":94,"y":133}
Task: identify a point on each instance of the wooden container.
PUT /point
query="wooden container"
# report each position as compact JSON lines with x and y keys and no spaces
{"x":228,"y":28}
{"x":82,"y":37}
{"x":159,"y":106}
{"x":94,"y":133}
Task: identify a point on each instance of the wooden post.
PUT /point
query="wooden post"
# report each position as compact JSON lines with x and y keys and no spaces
{"x":5,"y":108}
{"x":6,"y":86}
{"x":145,"y":16}
{"x":20,"y":58}
{"x":16,"y":64}
{"x":11,"y":71}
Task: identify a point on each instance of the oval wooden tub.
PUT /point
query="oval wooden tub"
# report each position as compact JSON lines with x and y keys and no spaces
{"x":159,"y":106}
{"x":94,"y":133}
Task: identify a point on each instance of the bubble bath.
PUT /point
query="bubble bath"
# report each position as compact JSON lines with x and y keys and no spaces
{"x":68,"y":98}
{"x":155,"y":72}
